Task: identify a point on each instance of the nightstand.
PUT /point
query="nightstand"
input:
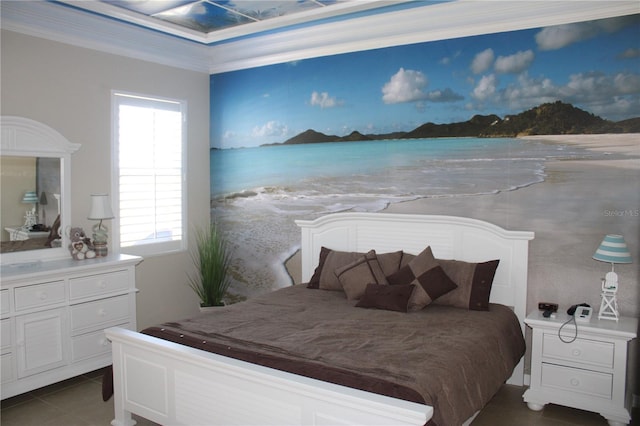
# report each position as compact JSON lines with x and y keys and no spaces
{"x":589,"y":373}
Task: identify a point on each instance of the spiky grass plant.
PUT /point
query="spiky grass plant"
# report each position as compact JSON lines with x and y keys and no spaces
{"x":212,"y":260}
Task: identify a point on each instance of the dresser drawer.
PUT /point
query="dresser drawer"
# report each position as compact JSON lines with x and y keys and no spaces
{"x":5,"y":334}
{"x":90,"y":345}
{"x":100,"y":313}
{"x":37,"y":295}
{"x":582,"y":351}
{"x":4,"y":302}
{"x":98,"y":284}
{"x":577,"y":380}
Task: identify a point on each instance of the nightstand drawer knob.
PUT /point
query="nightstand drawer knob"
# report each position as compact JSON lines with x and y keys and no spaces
{"x":576,"y":352}
{"x":42,"y":295}
{"x":574,"y":382}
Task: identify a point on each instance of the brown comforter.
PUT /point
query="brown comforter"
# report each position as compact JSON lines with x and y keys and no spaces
{"x":450,"y":358}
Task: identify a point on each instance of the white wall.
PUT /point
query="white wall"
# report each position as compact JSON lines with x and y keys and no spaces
{"x":69,"y":89}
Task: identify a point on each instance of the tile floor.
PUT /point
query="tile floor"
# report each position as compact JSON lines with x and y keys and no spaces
{"x":78,"y":402}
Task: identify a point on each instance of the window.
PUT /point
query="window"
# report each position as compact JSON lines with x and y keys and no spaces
{"x":149,"y":193}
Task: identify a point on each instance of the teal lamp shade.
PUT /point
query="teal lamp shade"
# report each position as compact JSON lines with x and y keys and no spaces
{"x":613,"y":249}
{"x":30,"y":197}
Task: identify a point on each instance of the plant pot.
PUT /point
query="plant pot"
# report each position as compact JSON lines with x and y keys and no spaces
{"x":204,"y":309}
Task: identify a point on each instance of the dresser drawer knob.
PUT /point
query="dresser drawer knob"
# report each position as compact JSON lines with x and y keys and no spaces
{"x":104,"y":342}
{"x":574,"y":382}
{"x":102,"y":284}
{"x":102,"y":312}
{"x":576,"y":352}
{"x":42,"y":295}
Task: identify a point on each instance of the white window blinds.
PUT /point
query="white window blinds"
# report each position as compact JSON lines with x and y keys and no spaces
{"x":149,"y":157}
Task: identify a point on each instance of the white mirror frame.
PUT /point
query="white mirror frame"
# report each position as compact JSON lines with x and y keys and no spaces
{"x":23,"y":137}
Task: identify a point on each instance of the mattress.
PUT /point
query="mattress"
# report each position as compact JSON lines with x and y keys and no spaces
{"x":450,"y":358}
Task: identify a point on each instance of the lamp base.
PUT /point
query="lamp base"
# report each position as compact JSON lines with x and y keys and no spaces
{"x":608,"y":306}
{"x":100,"y":249}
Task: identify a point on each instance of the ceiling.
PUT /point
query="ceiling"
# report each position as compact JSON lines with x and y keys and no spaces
{"x":211,"y":21}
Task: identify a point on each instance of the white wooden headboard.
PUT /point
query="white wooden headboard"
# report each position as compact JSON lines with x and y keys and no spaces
{"x":450,"y":237}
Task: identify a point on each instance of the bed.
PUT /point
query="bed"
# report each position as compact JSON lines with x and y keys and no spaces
{"x":305,"y":355}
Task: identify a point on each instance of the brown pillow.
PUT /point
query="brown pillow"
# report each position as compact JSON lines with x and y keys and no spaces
{"x":331,"y":260}
{"x":355,"y":276}
{"x":474,"y":282}
{"x":314,"y":282}
{"x":387,"y":297}
{"x":425,"y":273}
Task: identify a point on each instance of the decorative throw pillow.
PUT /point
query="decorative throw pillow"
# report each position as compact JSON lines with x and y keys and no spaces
{"x":355,"y":276}
{"x":425,"y":273}
{"x":474,"y":282}
{"x":324,"y":276}
{"x":388,"y":297}
{"x":314,"y":282}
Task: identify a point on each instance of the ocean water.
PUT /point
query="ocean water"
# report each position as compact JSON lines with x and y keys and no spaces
{"x":258,"y":193}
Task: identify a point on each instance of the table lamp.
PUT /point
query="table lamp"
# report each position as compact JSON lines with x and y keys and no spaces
{"x":31,"y":218}
{"x":612,"y":249}
{"x":100,"y":210}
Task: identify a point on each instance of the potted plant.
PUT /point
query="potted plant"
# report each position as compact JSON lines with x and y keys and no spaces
{"x":212,"y":260}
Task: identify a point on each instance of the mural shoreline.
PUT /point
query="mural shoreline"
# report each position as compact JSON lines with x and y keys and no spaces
{"x":567,"y":211}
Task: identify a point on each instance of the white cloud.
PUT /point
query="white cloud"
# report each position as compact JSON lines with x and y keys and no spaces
{"x":271,"y":128}
{"x":485,"y":88}
{"x":515,"y":63}
{"x":445,"y":95}
{"x":482,"y":61}
{"x":529,"y":92}
{"x":448,"y":59}
{"x":559,"y":36}
{"x":323,"y":100}
{"x":613,"y":97}
{"x":630,"y":54}
{"x":626,"y":83}
{"x":404,"y":86}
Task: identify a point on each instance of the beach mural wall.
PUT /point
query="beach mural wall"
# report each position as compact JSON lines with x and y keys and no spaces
{"x":364,"y":131}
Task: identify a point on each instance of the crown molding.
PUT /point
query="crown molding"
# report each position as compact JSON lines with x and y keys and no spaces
{"x":432,"y":22}
{"x":71,"y":26}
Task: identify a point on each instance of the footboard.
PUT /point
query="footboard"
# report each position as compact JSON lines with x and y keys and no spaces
{"x":173,"y":384}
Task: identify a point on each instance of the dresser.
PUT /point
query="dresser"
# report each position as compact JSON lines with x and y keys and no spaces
{"x":588,"y":370}
{"x":53,"y":316}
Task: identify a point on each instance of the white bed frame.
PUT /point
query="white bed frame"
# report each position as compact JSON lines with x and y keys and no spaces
{"x":177,"y":385}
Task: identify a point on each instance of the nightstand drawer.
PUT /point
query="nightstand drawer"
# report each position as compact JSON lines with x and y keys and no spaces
{"x":4,"y":302}
{"x":98,"y":284}
{"x":5,"y":334}
{"x":37,"y":295}
{"x":7,"y":372}
{"x":100,"y":313}
{"x":577,"y":380}
{"x":582,"y":351}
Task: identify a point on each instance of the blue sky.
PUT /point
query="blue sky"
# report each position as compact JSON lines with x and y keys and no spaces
{"x":593,"y":65}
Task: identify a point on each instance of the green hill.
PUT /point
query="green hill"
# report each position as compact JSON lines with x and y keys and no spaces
{"x":555,"y":118}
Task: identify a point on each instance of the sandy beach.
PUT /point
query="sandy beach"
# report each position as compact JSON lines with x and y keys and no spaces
{"x":579,"y":202}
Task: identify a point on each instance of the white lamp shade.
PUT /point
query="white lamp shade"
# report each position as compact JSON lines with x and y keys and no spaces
{"x":100,"y":207}
{"x":613,"y":249}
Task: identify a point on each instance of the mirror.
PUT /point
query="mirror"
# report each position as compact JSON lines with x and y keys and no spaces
{"x":35,"y":191}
